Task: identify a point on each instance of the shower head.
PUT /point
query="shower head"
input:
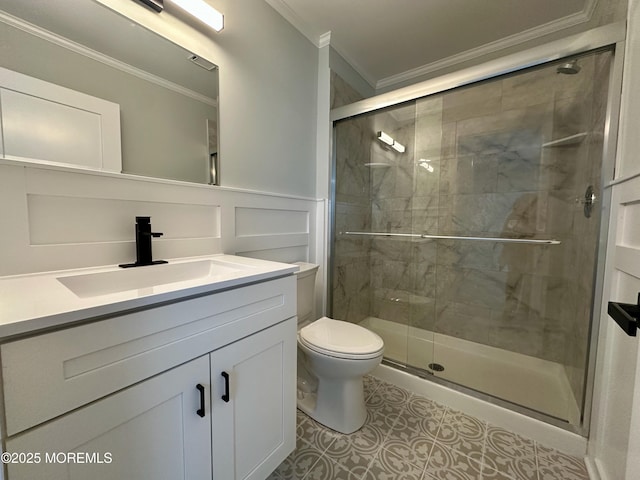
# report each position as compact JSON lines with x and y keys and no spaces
{"x":569,"y":68}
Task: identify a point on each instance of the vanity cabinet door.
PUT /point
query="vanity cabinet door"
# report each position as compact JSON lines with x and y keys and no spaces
{"x":253,"y":403}
{"x":152,"y":430}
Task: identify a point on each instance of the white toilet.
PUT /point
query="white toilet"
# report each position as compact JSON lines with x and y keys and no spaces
{"x":333,"y":356}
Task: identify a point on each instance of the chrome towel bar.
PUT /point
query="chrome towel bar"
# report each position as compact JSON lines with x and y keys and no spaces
{"x":455,"y":237}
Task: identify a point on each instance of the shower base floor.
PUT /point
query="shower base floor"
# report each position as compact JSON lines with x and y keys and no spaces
{"x":534,"y":383}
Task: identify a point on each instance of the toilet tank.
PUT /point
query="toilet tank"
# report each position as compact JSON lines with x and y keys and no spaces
{"x":306,"y":278}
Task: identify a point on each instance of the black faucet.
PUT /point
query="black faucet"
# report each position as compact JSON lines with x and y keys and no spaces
{"x":143,"y":244}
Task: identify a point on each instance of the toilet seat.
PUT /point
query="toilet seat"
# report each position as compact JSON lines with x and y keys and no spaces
{"x":341,"y":339}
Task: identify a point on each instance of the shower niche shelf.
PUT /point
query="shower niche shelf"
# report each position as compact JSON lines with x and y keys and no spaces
{"x":626,"y":315}
{"x":569,"y":141}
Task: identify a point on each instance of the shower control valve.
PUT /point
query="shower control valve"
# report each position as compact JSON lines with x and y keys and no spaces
{"x":587,"y":201}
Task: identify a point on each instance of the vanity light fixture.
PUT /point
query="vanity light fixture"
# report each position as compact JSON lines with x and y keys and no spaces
{"x":202,"y":11}
{"x":386,"y":138}
{"x":156,"y":5}
{"x":198,"y":8}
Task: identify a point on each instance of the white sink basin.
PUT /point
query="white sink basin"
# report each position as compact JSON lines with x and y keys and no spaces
{"x":122,"y":280}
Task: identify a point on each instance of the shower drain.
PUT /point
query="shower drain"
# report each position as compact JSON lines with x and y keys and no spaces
{"x":436,"y":367}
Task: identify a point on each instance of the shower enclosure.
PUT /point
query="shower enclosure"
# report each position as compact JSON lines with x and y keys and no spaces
{"x":465,"y":232}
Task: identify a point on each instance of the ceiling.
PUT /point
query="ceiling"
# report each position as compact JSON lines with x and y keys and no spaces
{"x":391,"y":41}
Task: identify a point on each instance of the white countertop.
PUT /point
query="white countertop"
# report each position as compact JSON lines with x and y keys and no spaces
{"x":33,"y":302}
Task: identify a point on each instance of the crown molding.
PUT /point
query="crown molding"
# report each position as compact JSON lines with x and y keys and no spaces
{"x":285,"y":11}
{"x":531,"y":34}
{"x":324,"y":40}
{"x":318,"y":39}
{"x":591,"y":39}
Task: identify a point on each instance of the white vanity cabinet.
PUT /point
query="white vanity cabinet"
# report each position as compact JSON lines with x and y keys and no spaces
{"x":140,"y":395}
{"x":148,"y":431}
{"x":253,"y":405}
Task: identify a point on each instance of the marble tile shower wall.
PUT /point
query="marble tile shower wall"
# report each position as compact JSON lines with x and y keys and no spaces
{"x":393,"y":270}
{"x":351,"y":284}
{"x":475,"y":165}
{"x":341,"y":93}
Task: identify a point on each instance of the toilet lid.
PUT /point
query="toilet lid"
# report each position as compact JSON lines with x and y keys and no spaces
{"x":341,"y":339}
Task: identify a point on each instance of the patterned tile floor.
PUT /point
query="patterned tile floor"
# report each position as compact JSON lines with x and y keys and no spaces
{"x":409,"y":437}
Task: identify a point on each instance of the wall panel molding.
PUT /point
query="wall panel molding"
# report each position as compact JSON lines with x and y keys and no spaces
{"x":56,"y":219}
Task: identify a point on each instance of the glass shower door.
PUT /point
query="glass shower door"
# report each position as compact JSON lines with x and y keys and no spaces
{"x":430,"y":147}
{"x":464,"y":234}
{"x":516,"y":157}
{"x":377,"y":281}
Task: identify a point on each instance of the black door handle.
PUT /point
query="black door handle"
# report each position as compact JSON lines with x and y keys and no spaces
{"x":225,"y":397}
{"x":200,"y":411}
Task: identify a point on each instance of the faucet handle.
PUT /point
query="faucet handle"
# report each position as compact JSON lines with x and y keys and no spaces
{"x":156,"y":234}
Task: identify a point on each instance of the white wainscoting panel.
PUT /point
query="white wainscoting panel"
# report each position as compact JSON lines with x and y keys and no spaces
{"x":115,"y":222}
{"x":265,"y":221}
{"x":44,"y":121}
{"x":271,"y":227}
{"x":281,"y":254}
{"x":24,"y":116}
{"x":272,"y":234}
{"x":56,"y":218}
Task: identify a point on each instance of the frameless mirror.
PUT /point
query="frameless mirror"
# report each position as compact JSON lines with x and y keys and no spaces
{"x":167,"y":97}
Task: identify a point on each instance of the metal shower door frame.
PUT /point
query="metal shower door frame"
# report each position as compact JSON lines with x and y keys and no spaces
{"x":612,"y":36}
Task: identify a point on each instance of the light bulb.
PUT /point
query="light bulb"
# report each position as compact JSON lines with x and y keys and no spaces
{"x":202,"y":11}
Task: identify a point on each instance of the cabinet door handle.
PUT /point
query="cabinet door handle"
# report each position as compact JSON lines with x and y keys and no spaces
{"x":225,"y":397}
{"x":200,"y":411}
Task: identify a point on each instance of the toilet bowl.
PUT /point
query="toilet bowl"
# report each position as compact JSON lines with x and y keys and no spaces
{"x":334,"y":356}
